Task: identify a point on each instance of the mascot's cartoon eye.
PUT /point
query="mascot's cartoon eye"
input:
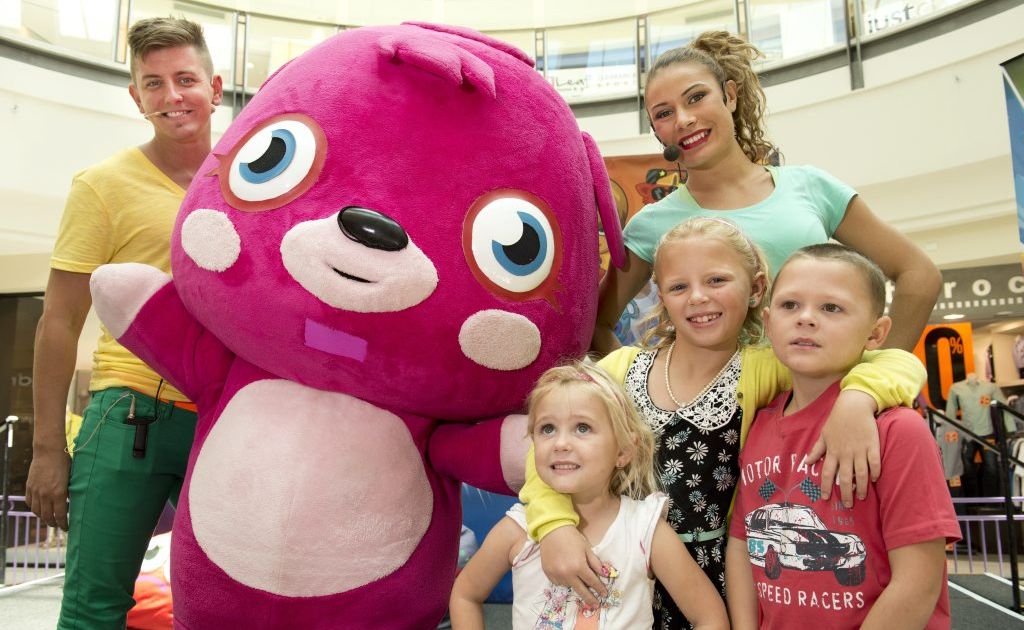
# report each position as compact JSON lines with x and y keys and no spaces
{"x":274,"y":163}
{"x":278,"y":156}
{"x":512,"y":243}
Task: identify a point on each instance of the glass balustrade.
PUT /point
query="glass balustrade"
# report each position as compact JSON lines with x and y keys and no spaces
{"x":273,"y":42}
{"x":85,"y":27}
{"x":787,"y":29}
{"x":594,"y":62}
{"x":584,"y":62}
{"x":678,"y":27}
{"x":218,"y":28}
{"x":879,"y":17}
{"x":525,"y":41}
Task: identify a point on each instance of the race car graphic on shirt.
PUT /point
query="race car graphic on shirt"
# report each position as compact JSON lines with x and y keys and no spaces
{"x":791,"y":536}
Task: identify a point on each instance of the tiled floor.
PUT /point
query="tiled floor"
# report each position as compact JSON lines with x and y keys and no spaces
{"x":36,"y":607}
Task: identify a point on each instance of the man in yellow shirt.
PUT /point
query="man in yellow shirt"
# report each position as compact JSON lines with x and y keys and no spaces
{"x":132,"y":450}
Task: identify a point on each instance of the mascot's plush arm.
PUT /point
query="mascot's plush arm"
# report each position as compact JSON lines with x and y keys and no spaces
{"x":142,"y":310}
{"x":490,"y":455}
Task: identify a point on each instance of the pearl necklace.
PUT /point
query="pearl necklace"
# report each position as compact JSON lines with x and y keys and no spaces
{"x":668,"y":387}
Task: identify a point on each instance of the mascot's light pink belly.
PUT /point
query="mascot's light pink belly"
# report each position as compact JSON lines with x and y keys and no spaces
{"x":314,"y":465}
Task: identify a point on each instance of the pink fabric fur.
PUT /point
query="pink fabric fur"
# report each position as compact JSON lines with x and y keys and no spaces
{"x":426,"y":125}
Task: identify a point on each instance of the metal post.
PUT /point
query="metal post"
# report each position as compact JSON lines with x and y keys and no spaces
{"x":8,"y":426}
{"x":642,"y":54}
{"x":999,"y":429}
{"x":851,"y":16}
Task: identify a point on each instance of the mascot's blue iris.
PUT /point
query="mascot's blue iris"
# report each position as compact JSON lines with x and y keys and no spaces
{"x":528,"y":253}
{"x":277,"y":157}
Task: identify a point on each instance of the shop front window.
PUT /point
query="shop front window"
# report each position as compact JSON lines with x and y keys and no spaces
{"x":18,"y":318}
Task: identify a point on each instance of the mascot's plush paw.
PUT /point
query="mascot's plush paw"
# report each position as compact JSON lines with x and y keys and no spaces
{"x":514,"y":447}
{"x":120,"y":291}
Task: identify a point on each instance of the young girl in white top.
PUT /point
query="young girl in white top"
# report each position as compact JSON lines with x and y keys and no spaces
{"x":591,"y":445}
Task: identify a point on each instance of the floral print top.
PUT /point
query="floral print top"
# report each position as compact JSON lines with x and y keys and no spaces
{"x":697,"y":461}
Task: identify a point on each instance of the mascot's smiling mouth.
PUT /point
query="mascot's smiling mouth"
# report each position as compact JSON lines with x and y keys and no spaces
{"x":336,"y":342}
{"x":350,"y":276}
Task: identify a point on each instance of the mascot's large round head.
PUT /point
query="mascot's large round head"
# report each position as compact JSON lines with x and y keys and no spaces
{"x":406,"y":214}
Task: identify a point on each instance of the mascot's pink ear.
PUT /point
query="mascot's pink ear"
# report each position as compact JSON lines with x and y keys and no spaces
{"x":439,"y":57}
{"x":605,"y":203}
{"x":476,"y":36}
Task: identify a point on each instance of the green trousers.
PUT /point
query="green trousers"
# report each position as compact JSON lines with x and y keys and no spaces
{"x":115,"y":502}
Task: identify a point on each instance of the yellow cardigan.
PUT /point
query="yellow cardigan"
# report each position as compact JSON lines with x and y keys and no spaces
{"x":891,"y":377}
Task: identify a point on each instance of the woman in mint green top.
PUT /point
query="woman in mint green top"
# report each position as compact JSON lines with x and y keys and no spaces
{"x":812,"y":202}
{"x":706,"y":100}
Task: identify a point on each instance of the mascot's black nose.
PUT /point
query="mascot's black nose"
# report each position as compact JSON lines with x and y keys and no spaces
{"x":372,"y":229}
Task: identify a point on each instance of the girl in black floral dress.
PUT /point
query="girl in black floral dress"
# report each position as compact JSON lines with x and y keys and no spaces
{"x":697,"y":463}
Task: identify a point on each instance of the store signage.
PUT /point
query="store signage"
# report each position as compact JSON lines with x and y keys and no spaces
{"x":594,"y":83}
{"x":947,"y":351}
{"x":897,"y":13}
{"x":981,"y":293}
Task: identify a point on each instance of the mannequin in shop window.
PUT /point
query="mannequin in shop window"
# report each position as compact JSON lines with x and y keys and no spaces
{"x":1018,"y":355}
{"x":971,"y":397}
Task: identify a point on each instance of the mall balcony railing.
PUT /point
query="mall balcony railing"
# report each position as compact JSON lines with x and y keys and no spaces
{"x":1005,"y":463}
{"x":598,"y":67}
{"x":7,"y":439}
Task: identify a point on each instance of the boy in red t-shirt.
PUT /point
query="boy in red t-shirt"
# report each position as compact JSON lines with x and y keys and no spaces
{"x":793,"y":559}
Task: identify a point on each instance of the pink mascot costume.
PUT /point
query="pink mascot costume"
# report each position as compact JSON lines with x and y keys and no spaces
{"x":381,"y":255}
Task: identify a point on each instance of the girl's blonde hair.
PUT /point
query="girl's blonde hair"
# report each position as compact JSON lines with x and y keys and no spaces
{"x":729,"y":58}
{"x":636,"y":479}
{"x":752,"y":333}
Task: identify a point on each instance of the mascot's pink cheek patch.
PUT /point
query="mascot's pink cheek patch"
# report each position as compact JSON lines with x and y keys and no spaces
{"x":210,"y":239}
{"x":297,"y":548}
{"x":500,"y":340}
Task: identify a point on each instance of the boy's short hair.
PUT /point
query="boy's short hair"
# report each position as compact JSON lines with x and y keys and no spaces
{"x":872,"y":274}
{"x":158,"y":33}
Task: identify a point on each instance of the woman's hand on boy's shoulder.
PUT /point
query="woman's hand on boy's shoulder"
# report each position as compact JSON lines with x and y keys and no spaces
{"x":568,"y":560}
{"x":849,"y":443}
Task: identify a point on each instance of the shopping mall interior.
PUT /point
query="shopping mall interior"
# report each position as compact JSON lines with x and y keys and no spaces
{"x":910,"y":102}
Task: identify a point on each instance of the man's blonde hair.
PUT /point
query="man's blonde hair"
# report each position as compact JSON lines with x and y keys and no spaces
{"x":636,"y":479}
{"x":158,"y":33}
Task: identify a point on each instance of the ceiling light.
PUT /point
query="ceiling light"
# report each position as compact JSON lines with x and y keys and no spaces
{"x":953,"y":316}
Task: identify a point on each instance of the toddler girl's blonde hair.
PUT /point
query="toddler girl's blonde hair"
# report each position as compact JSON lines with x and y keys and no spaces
{"x":636,"y":479}
{"x":752,"y":333}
